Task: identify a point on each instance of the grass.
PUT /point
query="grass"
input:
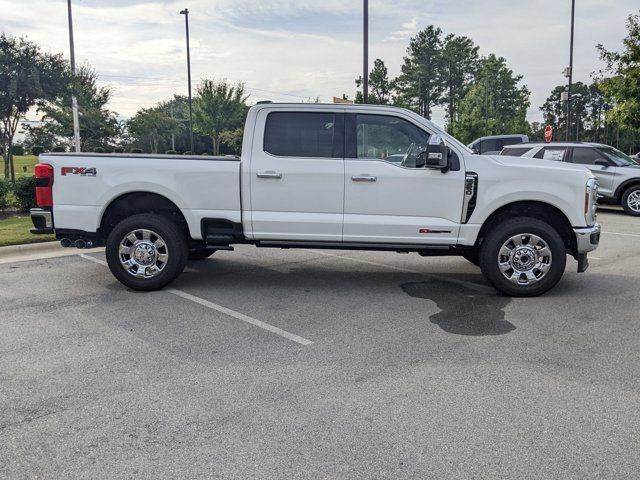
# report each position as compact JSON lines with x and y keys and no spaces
{"x":22,"y":161}
{"x":15,"y":231}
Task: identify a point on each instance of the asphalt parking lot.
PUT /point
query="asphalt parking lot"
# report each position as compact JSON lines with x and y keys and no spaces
{"x":288,"y":364}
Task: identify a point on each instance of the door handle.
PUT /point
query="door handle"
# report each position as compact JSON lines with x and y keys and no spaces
{"x":364,"y":178}
{"x":269,"y":174}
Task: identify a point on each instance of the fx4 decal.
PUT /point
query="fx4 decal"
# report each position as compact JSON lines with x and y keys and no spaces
{"x":83,"y":171}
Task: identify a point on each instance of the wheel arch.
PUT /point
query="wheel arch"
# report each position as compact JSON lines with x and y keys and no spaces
{"x":135,"y":202}
{"x":535,"y":209}
{"x":623,"y":188}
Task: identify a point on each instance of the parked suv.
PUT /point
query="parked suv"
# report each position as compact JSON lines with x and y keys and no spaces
{"x":492,"y":145}
{"x":618,"y":174}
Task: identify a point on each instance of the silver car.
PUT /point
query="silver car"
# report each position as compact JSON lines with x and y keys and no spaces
{"x":618,"y":174}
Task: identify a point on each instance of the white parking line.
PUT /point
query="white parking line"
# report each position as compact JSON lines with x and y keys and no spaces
{"x":227,"y":311}
{"x":240,"y":316}
{"x":93,"y":259}
{"x":473,"y":286}
{"x":622,"y":234}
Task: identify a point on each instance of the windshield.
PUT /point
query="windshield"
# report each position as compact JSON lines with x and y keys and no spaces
{"x":617,"y":157}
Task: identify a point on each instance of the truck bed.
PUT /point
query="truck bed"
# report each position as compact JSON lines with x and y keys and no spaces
{"x":85,"y":184}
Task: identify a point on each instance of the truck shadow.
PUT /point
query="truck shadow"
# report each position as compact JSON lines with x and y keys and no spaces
{"x":463,"y":311}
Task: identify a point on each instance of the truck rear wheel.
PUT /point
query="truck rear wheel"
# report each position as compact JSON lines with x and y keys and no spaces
{"x":523,"y":257}
{"x":146,"y":251}
{"x":631,"y":201}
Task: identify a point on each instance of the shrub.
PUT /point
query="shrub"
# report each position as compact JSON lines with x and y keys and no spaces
{"x":188,"y":152}
{"x":118,"y":150}
{"x":17,"y":150}
{"x":5,"y":188}
{"x":37,"y":150}
{"x":25,"y":193}
{"x":136,"y":150}
{"x":98,"y":150}
{"x":59,"y":148}
{"x":171,"y":152}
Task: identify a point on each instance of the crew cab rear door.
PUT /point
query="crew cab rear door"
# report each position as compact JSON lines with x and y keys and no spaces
{"x":297,"y":174}
{"x":397,"y":202}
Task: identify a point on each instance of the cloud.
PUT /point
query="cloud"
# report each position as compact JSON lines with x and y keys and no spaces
{"x":409,"y":29}
{"x":298,"y":49}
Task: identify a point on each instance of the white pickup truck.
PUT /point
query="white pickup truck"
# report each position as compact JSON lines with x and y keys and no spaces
{"x":324,"y":176}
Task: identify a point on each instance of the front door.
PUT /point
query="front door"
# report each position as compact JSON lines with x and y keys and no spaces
{"x":390,"y":196}
{"x":297,"y":175}
{"x":605,"y":174}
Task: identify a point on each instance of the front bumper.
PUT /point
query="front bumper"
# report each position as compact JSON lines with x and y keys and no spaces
{"x":587,"y":238}
{"x":42,"y":221}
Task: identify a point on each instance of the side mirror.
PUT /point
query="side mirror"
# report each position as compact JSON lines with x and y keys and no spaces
{"x":602,"y":163}
{"x":437,"y":154}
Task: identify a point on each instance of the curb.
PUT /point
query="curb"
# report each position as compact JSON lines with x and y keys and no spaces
{"x":38,"y":251}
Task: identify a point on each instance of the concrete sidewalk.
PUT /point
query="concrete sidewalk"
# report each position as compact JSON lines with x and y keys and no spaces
{"x":37,"y":251}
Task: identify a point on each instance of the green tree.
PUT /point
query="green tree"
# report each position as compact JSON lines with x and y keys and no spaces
{"x":623,"y":87}
{"x":459,"y":67}
{"x":39,"y":136}
{"x":495,"y":103}
{"x":218,"y":107}
{"x":554,"y":111}
{"x":27,"y":76}
{"x":232,"y":139}
{"x":153,"y":127}
{"x":420,"y":83}
{"x":98,"y":125}
{"x":380,"y":87}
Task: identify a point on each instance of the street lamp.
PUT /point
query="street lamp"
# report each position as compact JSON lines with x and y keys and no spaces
{"x":74,"y":100}
{"x":185,"y":12}
{"x":570,"y":69}
{"x":365,"y":53}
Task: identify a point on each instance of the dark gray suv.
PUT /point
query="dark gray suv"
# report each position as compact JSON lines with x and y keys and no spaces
{"x":618,"y":174}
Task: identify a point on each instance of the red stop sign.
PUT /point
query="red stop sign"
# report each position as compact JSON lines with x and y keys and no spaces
{"x":548,"y":133}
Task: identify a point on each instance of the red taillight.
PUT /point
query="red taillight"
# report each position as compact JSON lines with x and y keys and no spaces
{"x":44,"y":183}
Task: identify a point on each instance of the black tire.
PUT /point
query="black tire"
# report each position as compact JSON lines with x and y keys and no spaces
{"x":472,"y":257}
{"x":635,"y":189}
{"x":176,"y":247}
{"x":200,"y":253}
{"x":500,"y":234}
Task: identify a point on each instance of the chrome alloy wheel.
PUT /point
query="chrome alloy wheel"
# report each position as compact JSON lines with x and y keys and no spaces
{"x":633,"y":201}
{"x":143,"y":253}
{"x":524,"y":259}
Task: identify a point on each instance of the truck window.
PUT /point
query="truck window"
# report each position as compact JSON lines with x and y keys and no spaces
{"x":300,"y":134}
{"x":385,"y":137}
{"x":515,"y":151}
{"x":511,"y":141}
{"x":490,"y":145}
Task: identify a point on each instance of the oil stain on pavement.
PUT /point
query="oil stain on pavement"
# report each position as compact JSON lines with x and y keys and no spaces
{"x":463,"y":311}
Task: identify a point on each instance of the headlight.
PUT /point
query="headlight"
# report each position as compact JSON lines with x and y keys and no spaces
{"x":590,"y":199}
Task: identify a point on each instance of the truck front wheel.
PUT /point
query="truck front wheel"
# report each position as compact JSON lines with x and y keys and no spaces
{"x":523,"y":257}
{"x":146,"y":251}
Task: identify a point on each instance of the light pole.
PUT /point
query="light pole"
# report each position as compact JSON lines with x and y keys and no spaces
{"x":74,"y":100}
{"x":365,"y":53}
{"x":570,"y":72}
{"x":185,"y":12}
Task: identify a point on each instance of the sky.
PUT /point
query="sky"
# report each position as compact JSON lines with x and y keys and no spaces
{"x":286,"y":50}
